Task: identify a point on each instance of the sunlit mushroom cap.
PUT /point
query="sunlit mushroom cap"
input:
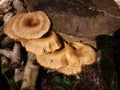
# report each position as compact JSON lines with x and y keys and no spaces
{"x":32,"y":25}
{"x":8,"y":27}
{"x":47,"y":44}
{"x":53,"y":60}
{"x":79,"y":54}
{"x":70,"y":70}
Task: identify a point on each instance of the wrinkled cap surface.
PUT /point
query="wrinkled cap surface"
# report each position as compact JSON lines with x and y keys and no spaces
{"x":53,"y":60}
{"x":44,"y":45}
{"x":79,"y":54}
{"x":70,"y":70}
{"x":8,"y":27}
{"x":32,"y":25}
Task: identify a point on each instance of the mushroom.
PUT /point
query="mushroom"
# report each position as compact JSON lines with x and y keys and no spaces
{"x":79,"y":54}
{"x":31,"y":25}
{"x":47,"y":44}
{"x":53,"y":60}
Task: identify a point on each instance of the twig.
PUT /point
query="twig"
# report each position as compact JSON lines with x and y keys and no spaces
{"x":18,"y":76}
{"x":6,"y":53}
{"x":18,"y":6}
{"x":30,"y":74}
{"x":4,"y":64}
{"x":2,"y":1}
{"x":14,"y":54}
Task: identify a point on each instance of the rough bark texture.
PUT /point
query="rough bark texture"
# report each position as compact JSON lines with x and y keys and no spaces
{"x":80,"y":18}
{"x":30,"y":74}
{"x":14,"y":55}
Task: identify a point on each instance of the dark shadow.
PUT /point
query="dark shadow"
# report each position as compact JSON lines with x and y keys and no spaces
{"x":116,"y":49}
{"x":3,"y":81}
{"x":1,"y":22}
{"x":107,"y":68}
{"x":110,"y":60}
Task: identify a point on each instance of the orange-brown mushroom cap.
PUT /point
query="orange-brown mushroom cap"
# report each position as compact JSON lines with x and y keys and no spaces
{"x":47,"y":44}
{"x":74,"y":55}
{"x":70,"y":70}
{"x":53,"y":60}
{"x":8,"y":27}
{"x":32,"y":25}
{"x":79,"y":54}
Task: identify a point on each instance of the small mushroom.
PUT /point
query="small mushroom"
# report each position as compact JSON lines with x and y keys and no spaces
{"x":79,"y":54}
{"x":32,"y":25}
{"x":47,"y":44}
{"x":53,"y":60}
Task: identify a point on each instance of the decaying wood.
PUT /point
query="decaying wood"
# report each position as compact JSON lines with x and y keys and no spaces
{"x":18,"y":6}
{"x":18,"y":76}
{"x":85,"y":20}
{"x":14,"y":55}
{"x":118,"y":2}
{"x":71,"y":38}
{"x":7,"y":17}
{"x":30,"y":74}
{"x":6,"y":41}
{"x":4,"y":64}
{"x":5,"y":6}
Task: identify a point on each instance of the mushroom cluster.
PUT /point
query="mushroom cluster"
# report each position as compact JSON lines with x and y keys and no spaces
{"x":33,"y":31}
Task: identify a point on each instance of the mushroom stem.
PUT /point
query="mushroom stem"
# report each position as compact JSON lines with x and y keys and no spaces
{"x":30,"y":74}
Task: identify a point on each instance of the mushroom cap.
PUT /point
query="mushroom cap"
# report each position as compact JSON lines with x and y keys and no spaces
{"x":79,"y":54}
{"x":32,"y":25}
{"x":70,"y":70}
{"x":70,"y":59}
{"x":47,"y":44}
{"x":23,"y":42}
{"x":8,"y":27}
{"x":53,"y":60}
